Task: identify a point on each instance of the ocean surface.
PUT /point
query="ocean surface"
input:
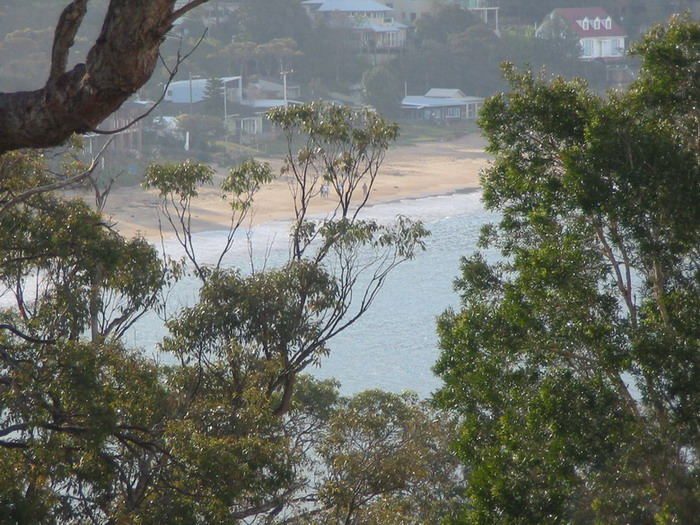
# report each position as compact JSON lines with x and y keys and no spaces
{"x":394,"y":345}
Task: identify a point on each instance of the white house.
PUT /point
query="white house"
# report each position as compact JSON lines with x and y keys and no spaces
{"x":599,"y":35}
{"x":373,"y":22}
{"x":448,"y":105}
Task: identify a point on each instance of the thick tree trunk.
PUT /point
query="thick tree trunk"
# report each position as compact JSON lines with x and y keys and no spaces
{"x":76,"y":101}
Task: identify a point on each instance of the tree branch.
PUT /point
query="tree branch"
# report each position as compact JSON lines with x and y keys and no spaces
{"x":171,"y":75}
{"x":55,"y":185}
{"x":76,"y":101}
{"x":24,"y":336}
{"x":185,"y":9}
{"x":64,"y":37}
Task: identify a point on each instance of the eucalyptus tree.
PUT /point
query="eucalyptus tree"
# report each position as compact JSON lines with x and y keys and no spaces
{"x":575,"y":361}
{"x":72,"y":399}
{"x":337,"y":265}
{"x":385,"y":459}
{"x":231,"y":445}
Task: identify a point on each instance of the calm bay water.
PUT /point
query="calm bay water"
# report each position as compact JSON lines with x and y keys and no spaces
{"x":394,"y":345}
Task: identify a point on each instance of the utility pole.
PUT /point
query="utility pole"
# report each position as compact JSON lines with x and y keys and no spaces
{"x":284,"y":82}
{"x":225,"y":111}
{"x":190,"y":92}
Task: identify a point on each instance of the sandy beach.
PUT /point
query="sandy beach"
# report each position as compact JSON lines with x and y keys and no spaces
{"x":413,"y":171}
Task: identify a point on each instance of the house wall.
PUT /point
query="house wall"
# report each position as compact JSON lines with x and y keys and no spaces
{"x":611,"y":45}
{"x":387,"y":40}
{"x":602,"y":47}
{"x":184,"y":91}
{"x":445,"y":114}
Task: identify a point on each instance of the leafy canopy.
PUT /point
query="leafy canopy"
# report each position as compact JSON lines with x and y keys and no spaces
{"x":574,"y":362}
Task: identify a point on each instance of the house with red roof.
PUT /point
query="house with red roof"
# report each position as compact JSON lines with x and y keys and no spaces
{"x":599,"y":35}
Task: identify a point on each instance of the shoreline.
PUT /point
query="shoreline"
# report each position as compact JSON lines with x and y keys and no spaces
{"x":423,"y":170}
{"x":373,"y":204}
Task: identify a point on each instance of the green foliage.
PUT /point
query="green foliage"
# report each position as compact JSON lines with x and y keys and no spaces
{"x":469,"y":60}
{"x":254,"y":23}
{"x":332,"y":124}
{"x":180,"y":180}
{"x":277,"y":314}
{"x":574,"y":362}
{"x":383,"y":89}
{"x":91,"y":431}
{"x":558,"y":52}
{"x":178,"y":185}
{"x":342,"y":147}
{"x":71,"y":395}
{"x":387,"y":461}
{"x":443,"y":21}
{"x":668,"y":82}
{"x":244,"y":181}
{"x":214,"y":96}
{"x":204,"y":130}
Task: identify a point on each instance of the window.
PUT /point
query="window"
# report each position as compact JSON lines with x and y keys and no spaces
{"x":587,"y":47}
{"x":453,"y":112}
{"x":596,"y":23}
{"x":618,"y":46}
{"x":608,"y":23}
{"x":584,"y":24}
{"x":249,"y":125}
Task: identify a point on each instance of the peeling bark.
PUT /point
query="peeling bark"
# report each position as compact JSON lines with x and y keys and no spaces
{"x":122,"y":60}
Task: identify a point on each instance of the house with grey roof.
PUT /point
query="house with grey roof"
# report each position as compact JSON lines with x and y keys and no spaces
{"x":372,"y":22}
{"x":193,"y":90}
{"x":444,"y":105}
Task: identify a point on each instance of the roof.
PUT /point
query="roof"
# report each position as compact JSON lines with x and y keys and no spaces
{"x":435,"y":102}
{"x":348,"y":5}
{"x":198,"y":82}
{"x":573,"y":14}
{"x":379,"y":28}
{"x":445,"y":93}
{"x":267,"y":103}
